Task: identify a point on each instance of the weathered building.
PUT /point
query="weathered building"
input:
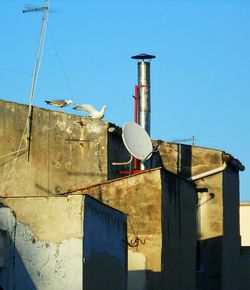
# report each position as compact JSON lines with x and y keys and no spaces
{"x":65,"y":151}
{"x":69,"y":152}
{"x":162,"y":234}
{"x":61,"y":243}
{"x":216,"y":175}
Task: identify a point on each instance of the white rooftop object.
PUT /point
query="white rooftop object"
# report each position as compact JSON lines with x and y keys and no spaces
{"x":137,"y":141}
{"x":89,"y":109}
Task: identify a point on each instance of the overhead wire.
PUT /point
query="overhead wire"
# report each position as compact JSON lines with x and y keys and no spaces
{"x":11,"y":153}
{"x":16,"y":71}
{"x":12,"y":168}
{"x":61,"y":63}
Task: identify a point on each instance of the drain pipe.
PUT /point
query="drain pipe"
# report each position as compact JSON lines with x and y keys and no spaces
{"x":227,"y":160}
{"x":208,"y":173}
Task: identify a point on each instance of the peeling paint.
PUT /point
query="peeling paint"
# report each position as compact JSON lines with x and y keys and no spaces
{"x":34,"y":267}
{"x":93,"y":127}
{"x":63,"y":126}
{"x":43,"y":251}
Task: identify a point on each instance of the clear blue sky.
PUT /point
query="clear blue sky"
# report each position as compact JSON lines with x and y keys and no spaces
{"x":200,"y":79}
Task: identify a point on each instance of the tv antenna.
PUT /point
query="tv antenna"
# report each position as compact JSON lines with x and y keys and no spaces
{"x":137,"y":142}
{"x":191,"y":139}
{"x":45,"y":10}
{"x":32,"y":8}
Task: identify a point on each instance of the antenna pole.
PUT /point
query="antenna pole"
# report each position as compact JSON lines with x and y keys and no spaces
{"x":45,"y":9}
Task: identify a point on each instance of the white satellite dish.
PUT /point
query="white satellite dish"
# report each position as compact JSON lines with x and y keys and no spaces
{"x":137,"y":141}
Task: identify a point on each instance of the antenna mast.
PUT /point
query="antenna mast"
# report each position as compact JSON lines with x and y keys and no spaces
{"x":45,"y":10}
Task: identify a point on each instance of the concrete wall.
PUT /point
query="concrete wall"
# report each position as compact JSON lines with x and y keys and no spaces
{"x":69,"y":152}
{"x":218,"y":214}
{"x":245,"y":224}
{"x":183,"y":160}
{"x":161,"y":212}
{"x":66,"y":151}
{"x":104,"y":247}
{"x":219,"y":239}
{"x":140,"y":197}
{"x":179,"y":202}
{"x":210,"y":231}
{"x":45,"y":246}
{"x":231,"y":231}
{"x":186,"y":160}
{"x":244,"y":268}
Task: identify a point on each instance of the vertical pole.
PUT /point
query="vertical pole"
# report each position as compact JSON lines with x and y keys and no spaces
{"x":34,"y":79}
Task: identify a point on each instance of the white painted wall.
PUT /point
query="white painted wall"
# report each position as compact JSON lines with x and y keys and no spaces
{"x":32,"y":264}
{"x":42,"y":242}
{"x":245,"y":224}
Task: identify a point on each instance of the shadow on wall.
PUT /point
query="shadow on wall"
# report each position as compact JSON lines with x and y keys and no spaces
{"x":183,"y":159}
{"x":144,"y":279}
{"x":104,"y":272}
{"x":244,"y":268}
{"x":117,"y":153}
{"x":209,"y":263}
{"x":13,"y":274}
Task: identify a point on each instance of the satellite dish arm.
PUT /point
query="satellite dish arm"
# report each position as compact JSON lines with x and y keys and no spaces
{"x":123,"y":163}
{"x":155,"y":149}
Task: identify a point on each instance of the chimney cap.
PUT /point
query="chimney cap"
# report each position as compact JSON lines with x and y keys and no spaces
{"x":143,"y":56}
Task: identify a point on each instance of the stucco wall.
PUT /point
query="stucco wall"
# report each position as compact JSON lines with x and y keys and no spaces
{"x":179,"y":202}
{"x":217,"y":214}
{"x":186,"y":160}
{"x":231,"y":231}
{"x":245,"y":268}
{"x":43,"y":249}
{"x":104,"y":247}
{"x":69,"y":152}
{"x":210,"y":231}
{"x":245,"y":224}
{"x":140,"y":197}
{"x":66,"y":151}
{"x":161,"y":212}
{"x":46,"y":247}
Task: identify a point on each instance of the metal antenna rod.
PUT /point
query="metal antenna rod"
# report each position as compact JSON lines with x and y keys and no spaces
{"x":45,"y":9}
{"x":185,"y":140}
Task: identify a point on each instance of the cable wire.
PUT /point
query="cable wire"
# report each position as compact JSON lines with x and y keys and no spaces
{"x":11,"y":153}
{"x":61,"y":63}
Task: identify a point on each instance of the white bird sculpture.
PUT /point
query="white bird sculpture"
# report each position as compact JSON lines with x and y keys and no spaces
{"x":91,"y":110}
{"x":60,"y":103}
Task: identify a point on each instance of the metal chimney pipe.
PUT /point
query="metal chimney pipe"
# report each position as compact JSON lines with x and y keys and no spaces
{"x":144,"y":106}
{"x":144,"y":99}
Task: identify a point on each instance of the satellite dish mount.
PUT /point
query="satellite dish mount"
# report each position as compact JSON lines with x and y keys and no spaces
{"x":138,"y":144}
